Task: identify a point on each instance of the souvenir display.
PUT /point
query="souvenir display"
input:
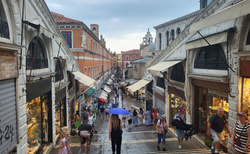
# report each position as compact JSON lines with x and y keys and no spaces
{"x":245,"y":97}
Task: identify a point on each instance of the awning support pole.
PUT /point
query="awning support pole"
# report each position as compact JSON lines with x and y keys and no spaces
{"x":219,"y":55}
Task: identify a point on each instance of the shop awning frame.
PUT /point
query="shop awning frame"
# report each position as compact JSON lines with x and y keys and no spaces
{"x":229,"y":13}
{"x":162,"y":67}
{"x":138,"y":85}
{"x":85,"y":79}
{"x":212,"y":39}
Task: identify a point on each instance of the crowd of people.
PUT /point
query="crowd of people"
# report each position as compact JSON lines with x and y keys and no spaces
{"x":84,"y":126}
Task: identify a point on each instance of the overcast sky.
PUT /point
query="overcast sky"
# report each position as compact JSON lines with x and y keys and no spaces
{"x":123,"y":23}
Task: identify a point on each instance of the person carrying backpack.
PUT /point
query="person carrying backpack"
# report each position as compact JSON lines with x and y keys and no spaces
{"x":162,"y":129}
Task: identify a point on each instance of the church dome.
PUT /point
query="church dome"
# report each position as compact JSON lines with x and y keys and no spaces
{"x":152,"y":47}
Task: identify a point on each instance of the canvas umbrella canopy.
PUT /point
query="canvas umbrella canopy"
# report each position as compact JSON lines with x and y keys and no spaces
{"x":120,"y":111}
{"x":101,"y":99}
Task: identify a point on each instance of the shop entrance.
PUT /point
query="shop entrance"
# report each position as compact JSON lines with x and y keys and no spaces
{"x":200,"y":117}
{"x":206,"y":102}
{"x":39,"y":128}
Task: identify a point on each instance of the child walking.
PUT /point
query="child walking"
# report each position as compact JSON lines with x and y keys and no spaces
{"x":62,"y":149}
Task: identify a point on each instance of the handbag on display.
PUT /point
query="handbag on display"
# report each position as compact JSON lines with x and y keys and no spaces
{"x":237,"y":139}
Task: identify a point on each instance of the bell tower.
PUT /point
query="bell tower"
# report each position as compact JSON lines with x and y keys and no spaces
{"x":95,"y":29}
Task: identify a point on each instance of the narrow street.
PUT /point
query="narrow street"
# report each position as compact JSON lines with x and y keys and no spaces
{"x":135,"y":140}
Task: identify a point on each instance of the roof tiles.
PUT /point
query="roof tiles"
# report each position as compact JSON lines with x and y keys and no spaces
{"x":61,"y":19}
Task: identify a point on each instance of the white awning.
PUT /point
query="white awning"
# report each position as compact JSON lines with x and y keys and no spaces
{"x":162,"y":67}
{"x":107,"y":89}
{"x":213,"y":39}
{"x":229,"y":13}
{"x":109,"y":82}
{"x":138,"y":85}
{"x":85,"y":79}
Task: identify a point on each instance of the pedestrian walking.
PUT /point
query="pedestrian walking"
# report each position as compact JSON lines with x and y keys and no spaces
{"x":162,"y":129}
{"x":101,"y":111}
{"x":90,"y":121}
{"x":94,"y":119}
{"x":124,"y":119}
{"x":77,"y":120}
{"x":115,"y":133}
{"x":141,"y":116}
{"x":180,"y":132}
{"x":66,"y":130}
{"x":84,"y":131}
{"x":129,"y":118}
{"x":216,"y":124}
{"x":85,"y":116}
{"x":62,"y":149}
{"x":155,"y":115}
{"x":147,"y":118}
{"x":241,"y":134}
{"x":135,"y":118}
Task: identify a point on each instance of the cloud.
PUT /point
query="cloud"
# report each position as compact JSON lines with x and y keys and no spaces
{"x":123,"y":23}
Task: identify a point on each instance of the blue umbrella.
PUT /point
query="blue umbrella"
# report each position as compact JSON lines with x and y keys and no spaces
{"x":118,"y":111}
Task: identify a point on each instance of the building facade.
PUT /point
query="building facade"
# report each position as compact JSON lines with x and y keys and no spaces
{"x":34,"y":80}
{"x":89,"y":50}
{"x":204,"y":68}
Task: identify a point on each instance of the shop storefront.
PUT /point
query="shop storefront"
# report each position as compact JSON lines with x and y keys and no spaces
{"x":209,"y":96}
{"x":177,"y":101}
{"x":38,"y":122}
{"x":8,"y":116}
{"x":245,"y":101}
{"x":60,"y":110}
{"x":60,"y":115}
{"x":39,"y":115}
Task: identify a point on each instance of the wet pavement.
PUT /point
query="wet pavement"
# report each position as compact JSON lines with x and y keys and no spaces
{"x":135,"y":140}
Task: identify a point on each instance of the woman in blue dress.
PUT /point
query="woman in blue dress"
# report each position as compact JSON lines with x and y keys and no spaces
{"x":147,"y":118}
{"x":179,"y":132}
{"x":135,"y":118}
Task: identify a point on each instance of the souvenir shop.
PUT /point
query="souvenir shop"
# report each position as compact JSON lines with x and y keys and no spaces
{"x":39,"y":115}
{"x":176,"y":102}
{"x":245,"y":74}
{"x":60,"y":110}
{"x":208,"y":97}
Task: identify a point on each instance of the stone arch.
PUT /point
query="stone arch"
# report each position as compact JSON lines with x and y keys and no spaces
{"x":13,"y":14}
{"x":40,"y":56}
{"x":211,"y":57}
{"x":245,"y":34}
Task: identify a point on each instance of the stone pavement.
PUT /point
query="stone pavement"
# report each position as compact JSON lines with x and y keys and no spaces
{"x":136,"y":140}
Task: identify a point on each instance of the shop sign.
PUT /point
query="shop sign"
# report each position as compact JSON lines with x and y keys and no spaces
{"x":245,"y":71}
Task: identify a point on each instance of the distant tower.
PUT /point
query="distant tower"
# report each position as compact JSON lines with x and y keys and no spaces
{"x":95,"y":29}
{"x":147,"y":39}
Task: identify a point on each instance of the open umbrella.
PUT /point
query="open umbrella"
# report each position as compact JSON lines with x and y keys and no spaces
{"x":101,"y":99}
{"x":118,"y":111}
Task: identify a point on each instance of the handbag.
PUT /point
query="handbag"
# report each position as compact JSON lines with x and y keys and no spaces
{"x":165,"y":130}
{"x":237,"y":139}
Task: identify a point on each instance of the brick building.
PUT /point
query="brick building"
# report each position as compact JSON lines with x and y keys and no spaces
{"x":90,"y":51}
